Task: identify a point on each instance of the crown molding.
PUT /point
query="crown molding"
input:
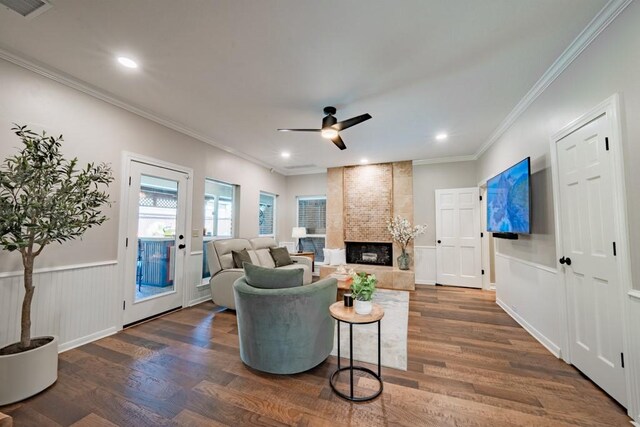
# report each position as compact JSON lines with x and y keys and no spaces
{"x":307,"y":171}
{"x":601,"y":21}
{"x":77,"y":84}
{"x":444,"y":160}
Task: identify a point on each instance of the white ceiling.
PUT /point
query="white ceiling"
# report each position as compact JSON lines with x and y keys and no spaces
{"x":233,"y":71}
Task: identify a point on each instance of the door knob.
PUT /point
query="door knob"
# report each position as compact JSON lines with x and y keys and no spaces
{"x":439,"y":241}
{"x":181,"y":237}
{"x":562,"y":260}
{"x":182,"y":246}
{"x":568,"y":261}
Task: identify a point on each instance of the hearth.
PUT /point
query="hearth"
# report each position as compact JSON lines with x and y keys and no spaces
{"x":370,"y":253}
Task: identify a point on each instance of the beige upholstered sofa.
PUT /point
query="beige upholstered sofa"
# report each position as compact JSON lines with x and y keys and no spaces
{"x":224,"y":273}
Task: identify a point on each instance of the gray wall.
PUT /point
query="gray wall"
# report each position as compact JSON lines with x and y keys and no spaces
{"x":609,"y":65}
{"x":97,"y":131}
{"x":427,"y":179}
{"x":298,"y":185}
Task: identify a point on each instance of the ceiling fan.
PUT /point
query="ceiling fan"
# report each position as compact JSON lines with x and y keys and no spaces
{"x":331,"y":127}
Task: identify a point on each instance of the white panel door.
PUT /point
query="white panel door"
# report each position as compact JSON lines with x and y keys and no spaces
{"x":156,"y":241}
{"x":591,"y":274}
{"x":458,"y":248}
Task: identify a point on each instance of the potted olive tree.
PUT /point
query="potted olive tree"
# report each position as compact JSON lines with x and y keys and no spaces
{"x":362,"y":288}
{"x":44,"y":199}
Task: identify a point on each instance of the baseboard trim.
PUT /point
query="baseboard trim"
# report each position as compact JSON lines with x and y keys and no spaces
{"x":87,"y":339}
{"x":426,"y":282}
{"x":198,"y":300}
{"x":547,"y":343}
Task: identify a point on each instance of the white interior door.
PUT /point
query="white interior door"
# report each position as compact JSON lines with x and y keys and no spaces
{"x":458,"y":248}
{"x":588,"y":234}
{"x":155,"y":241}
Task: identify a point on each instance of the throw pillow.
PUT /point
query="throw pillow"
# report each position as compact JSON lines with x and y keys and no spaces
{"x":327,"y":255}
{"x":280,"y":256}
{"x":272,"y":278}
{"x":338,"y":257}
{"x":240,"y":257}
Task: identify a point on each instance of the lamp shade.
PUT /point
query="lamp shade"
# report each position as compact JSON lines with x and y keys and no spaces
{"x":298,"y":232}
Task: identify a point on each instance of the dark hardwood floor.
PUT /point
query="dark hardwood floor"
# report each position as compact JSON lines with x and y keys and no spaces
{"x":469,"y":364}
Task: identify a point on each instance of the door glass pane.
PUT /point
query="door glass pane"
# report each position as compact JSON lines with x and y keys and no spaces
{"x":157,"y":214}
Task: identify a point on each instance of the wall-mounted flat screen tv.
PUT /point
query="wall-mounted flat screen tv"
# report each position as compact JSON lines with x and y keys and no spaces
{"x":509,"y":200}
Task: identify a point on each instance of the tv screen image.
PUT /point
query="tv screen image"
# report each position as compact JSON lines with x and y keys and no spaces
{"x":509,"y":200}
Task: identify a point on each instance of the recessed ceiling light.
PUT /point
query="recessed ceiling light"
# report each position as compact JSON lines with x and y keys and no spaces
{"x":285,"y":154}
{"x":364,"y":161}
{"x":127,"y":62}
{"x":441,"y":136}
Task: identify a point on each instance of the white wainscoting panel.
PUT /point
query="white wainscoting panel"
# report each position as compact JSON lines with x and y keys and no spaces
{"x":196,"y":292}
{"x":425,"y":265}
{"x":77,"y":304}
{"x":531,"y":294}
{"x":633,"y":360}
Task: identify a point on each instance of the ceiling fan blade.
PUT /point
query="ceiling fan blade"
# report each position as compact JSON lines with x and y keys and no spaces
{"x":299,"y":130}
{"x":339,"y":142}
{"x":345,"y":124}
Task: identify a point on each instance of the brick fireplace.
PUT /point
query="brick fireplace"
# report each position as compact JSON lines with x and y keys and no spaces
{"x":370,"y":253}
{"x":360,"y":200}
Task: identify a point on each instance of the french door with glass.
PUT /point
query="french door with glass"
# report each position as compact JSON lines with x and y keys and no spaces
{"x":155,"y":241}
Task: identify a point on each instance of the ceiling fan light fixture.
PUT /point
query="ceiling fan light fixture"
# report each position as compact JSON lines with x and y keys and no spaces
{"x":329,"y":133}
{"x":127,"y":62}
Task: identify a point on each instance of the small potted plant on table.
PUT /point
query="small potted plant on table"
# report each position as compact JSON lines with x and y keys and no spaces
{"x":362,"y":288}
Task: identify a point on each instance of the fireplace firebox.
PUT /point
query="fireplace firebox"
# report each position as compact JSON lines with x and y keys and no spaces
{"x":371,"y":253}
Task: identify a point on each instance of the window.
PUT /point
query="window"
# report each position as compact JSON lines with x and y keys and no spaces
{"x":267,"y":215}
{"x":312,"y":214}
{"x":219,"y":215}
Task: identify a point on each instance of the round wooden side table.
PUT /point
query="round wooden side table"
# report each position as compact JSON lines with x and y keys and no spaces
{"x":348,"y":315}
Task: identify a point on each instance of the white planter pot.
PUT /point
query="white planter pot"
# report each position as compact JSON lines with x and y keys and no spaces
{"x":28,"y":373}
{"x":363,"y":307}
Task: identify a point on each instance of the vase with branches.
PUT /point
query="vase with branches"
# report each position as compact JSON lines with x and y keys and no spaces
{"x":402,"y":232}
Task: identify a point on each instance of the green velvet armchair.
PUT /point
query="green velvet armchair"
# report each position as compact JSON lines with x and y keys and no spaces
{"x":285,"y":331}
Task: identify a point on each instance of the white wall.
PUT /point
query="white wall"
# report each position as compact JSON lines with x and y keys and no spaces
{"x":97,"y":131}
{"x":298,"y":185}
{"x":604,"y":68}
{"x":609,"y":65}
{"x":431,"y":177}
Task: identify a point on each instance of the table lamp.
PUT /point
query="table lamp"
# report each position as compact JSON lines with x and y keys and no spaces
{"x":299,"y":233}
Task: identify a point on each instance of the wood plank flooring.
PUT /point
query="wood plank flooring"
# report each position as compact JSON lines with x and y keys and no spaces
{"x":469,"y":364}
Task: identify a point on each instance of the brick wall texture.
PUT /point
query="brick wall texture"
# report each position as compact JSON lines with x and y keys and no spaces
{"x":368,"y":202}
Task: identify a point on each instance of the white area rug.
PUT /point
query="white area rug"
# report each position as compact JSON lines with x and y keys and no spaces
{"x":393,"y":334}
